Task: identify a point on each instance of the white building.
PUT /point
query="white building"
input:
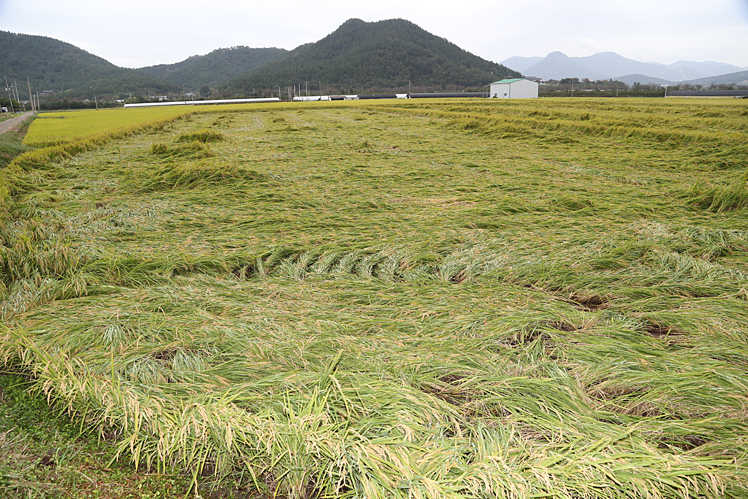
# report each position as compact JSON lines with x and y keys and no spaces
{"x":515,"y":88}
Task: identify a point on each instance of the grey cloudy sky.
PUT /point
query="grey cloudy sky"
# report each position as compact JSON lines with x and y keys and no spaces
{"x":139,"y":33}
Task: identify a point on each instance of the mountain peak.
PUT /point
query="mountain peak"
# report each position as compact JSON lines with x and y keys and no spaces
{"x":377,"y":55}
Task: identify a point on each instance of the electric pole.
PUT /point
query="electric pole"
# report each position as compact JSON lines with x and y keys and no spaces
{"x":10,"y":95}
{"x":31,"y":96}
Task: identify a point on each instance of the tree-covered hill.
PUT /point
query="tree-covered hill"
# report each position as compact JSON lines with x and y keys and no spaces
{"x":69,"y":71}
{"x":357,"y":56}
{"x":384,"y":54}
{"x":216,"y":67}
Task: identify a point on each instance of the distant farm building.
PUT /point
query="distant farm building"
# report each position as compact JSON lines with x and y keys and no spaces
{"x":515,"y":88}
{"x":710,"y":94}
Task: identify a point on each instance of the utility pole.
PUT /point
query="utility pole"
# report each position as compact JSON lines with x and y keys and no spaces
{"x":10,"y":96}
{"x":306,"y":85}
{"x":96,"y":102}
{"x":31,"y":96}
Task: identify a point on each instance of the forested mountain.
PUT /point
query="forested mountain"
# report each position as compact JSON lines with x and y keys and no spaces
{"x":216,"y":67}
{"x":376,"y":55}
{"x":69,"y":71}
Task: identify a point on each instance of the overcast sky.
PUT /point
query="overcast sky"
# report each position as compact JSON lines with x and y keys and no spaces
{"x":137,"y":33}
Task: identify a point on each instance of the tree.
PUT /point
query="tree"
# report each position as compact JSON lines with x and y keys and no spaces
{"x":5,"y":102}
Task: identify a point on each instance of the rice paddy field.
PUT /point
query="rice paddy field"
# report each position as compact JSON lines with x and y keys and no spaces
{"x":421,"y":299}
{"x":64,"y":126}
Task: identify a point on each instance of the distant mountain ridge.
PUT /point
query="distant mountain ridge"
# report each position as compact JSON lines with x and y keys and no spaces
{"x":215,"y":67}
{"x":642,"y":79}
{"x":57,"y":66}
{"x":607,"y":65}
{"x":521,"y":63}
{"x":384,"y":54}
{"x":358,"y":55}
{"x":740,"y":78}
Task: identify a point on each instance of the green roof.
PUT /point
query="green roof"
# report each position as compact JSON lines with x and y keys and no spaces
{"x":511,"y":80}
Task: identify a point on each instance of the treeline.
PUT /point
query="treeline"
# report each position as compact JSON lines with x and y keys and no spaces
{"x":576,"y":87}
{"x":55,"y":105}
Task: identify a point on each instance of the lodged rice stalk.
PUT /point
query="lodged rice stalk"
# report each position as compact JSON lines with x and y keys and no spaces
{"x":328,"y":302}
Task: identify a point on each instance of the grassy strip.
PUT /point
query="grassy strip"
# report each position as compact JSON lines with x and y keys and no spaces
{"x":11,"y":146}
{"x":45,"y":454}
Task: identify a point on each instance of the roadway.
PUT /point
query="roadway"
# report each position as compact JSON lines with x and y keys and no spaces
{"x":13,"y":123}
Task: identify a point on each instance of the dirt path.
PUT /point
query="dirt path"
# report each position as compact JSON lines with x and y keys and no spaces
{"x":14,"y":123}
